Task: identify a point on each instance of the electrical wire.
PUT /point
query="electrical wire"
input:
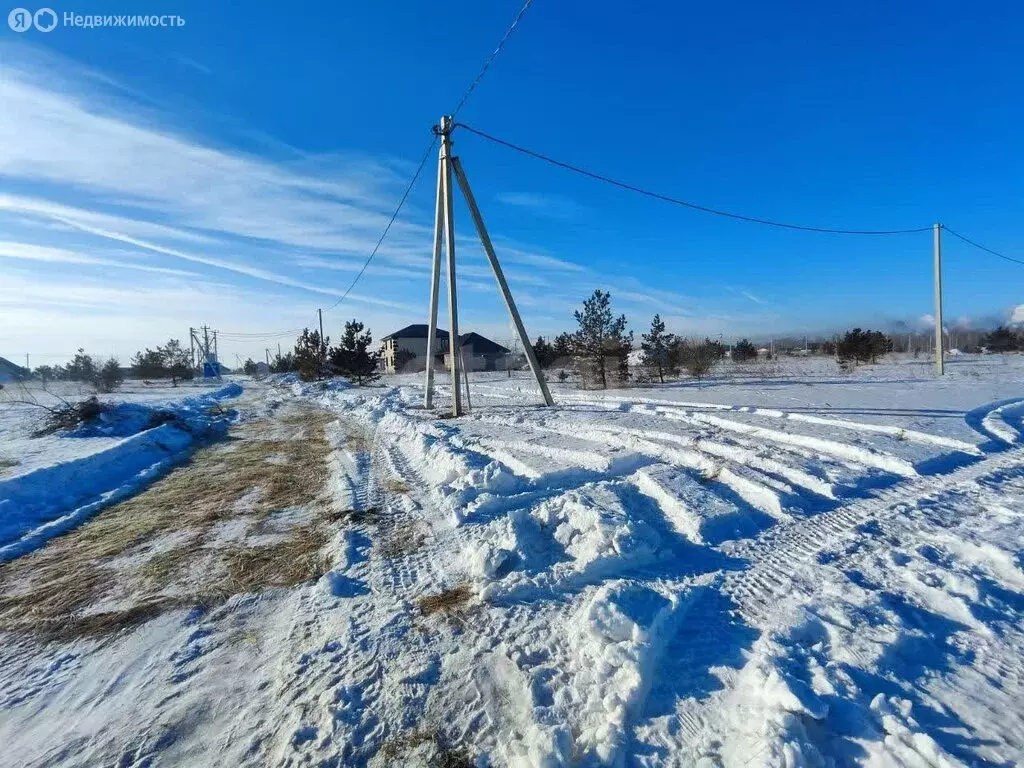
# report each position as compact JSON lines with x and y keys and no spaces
{"x":491,"y":58}
{"x":458,"y":107}
{"x":405,"y":195}
{"x":981,"y":247}
{"x":677,"y":201}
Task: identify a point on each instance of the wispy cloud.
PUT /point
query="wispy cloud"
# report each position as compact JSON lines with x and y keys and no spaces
{"x":548,"y":205}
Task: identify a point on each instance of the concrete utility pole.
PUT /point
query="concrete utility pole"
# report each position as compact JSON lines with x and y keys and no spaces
{"x":485,"y":240}
{"x":454,"y":342}
{"x":267,"y":350}
{"x":192,"y":346}
{"x":940,"y":367}
{"x":435,"y":281}
{"x":447,"y":165}
{"x":322,"y":352}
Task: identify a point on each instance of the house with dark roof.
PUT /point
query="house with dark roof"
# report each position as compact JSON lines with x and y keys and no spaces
{"x":405,"y":350}
{"x":11,"y":372}
{"x":480,"y":353}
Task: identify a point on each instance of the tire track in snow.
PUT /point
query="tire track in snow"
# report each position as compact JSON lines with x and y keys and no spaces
{"x":778,"y":555}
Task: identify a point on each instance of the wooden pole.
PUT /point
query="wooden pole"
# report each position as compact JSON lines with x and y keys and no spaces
{"x":435,"y":284}
{"x":485,"y":240}
{"x":454,"y":343}
{"x":940,"y":366}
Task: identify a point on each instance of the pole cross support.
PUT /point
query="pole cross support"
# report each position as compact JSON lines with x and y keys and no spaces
{"x":444,"y":229}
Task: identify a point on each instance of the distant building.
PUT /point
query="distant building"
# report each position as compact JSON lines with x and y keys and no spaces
{"x":481,"y":354}
{"x":405,"y":350}
{"x":11,"y":372}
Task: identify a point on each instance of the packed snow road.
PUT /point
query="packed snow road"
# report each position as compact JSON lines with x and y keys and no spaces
{"x":806,"y":571}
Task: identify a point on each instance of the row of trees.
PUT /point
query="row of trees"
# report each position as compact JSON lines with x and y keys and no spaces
{"x":169,"y":361}
{"x":315,"y":358}
{"x":601,"y":348}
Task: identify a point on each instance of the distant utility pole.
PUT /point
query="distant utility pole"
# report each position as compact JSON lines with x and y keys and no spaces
{"x":192,"y":346}
{"x":322,"y":352}
{"x":267,"y":350}
{"x":27,"y":366}
{"x":937,"y":254}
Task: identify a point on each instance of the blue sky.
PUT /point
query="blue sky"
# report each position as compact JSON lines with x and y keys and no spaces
{"x":237,"y":170}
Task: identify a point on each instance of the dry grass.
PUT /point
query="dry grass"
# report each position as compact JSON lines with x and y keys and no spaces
{"x":450,"y":601}
{"x":396,"y":485}
{"x":399,"y":541}
{"x":432,"y":749}
{"x":6,"y":463}
{"x":245,"y":479}
{"x":294,"y":560}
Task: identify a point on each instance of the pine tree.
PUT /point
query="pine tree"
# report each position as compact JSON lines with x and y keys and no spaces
{"x":110,"y":376}
{"x":562,"y":348}
{"x":177,"y":361}
{"x":743,"y":351}
{"x":656,"y":345}
{"x":81,"y":368}
{"x":544,"y":352}
{"x":283,"y":363}
{"x":249,"y":367}
{"x":310,"y":354}
{"x":601,"y":338}
{"x":352,"y":357}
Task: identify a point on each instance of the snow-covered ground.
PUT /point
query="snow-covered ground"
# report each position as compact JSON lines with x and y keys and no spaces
{"x":794,"y":568}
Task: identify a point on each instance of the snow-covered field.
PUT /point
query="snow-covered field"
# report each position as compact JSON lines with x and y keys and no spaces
{"x":803,"y":569}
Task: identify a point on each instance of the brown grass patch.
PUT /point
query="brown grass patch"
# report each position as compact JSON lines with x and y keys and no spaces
{"x":396,"y":485}
{"x":294,"y":560}
{"x":247,"y":478}
{"x":430,"y":747}
{"x":399,"y":541}
{"x":450,"y":601}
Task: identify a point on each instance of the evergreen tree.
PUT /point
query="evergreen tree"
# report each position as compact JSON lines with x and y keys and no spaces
{"x":352,"y":357}
{"x":283,"y":363}
{"x":544,"y":352}
{"x":110,"y":376}
{"x":656,"y":345}
{"x":601,"y":339}
{"x":859,"y":346}
{"x":149,"y":364}
{"x":177,"y":361}
{"x":249,"y":367}
{"x":743,"y":351}
{"x":311,"y":354}
{"x":1002,"y":339}
{"x":562,"y":348}
{"x":81,"y":368}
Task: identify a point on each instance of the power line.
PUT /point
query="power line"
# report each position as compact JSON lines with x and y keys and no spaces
{"x":677,"y":201}
{"x":491,"y":58}
{"x":981,"y":247}
{"x":465,"y":97}
{"x":405,"y":195}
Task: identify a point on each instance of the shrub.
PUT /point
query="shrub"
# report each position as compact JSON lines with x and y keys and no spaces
{"x":743,"y":351}
{"x":859,"y":346}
